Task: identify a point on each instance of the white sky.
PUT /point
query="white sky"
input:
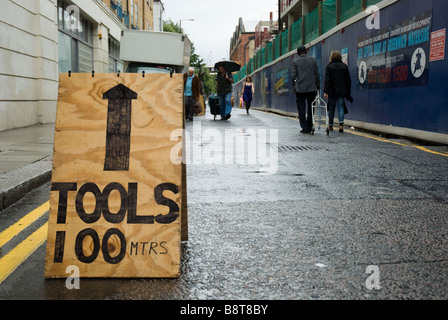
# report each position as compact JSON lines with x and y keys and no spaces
{"x":215,"y":22}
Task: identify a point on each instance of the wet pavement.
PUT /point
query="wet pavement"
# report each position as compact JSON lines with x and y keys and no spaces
{"x":298,"y":217}
{"x":22,"y":146}
{"x":25,"y":161}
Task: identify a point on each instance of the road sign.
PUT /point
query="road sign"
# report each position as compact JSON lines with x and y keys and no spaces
{"x":116,"y":202}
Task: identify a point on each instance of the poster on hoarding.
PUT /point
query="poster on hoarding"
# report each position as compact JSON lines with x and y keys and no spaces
{"x":396,"y":56}
{"x":281,"y":87}
{"x":437,"y":45}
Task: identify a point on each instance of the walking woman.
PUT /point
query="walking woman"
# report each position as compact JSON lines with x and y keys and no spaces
{"x":249,"y":90}
{"x":337,"y":88}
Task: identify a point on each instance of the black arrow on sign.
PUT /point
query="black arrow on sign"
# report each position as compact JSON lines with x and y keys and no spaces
{"x":118,"y":138}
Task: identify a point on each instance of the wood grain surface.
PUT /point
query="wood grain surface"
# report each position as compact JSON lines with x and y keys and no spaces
{"x":119,"y":222}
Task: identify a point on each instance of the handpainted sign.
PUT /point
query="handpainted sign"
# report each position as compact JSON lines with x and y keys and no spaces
{"x":116,"y":195}
{"x":396,"y":56}
{"x":437,"y":45}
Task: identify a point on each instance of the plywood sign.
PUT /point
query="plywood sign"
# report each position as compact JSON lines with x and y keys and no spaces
{"x":116,"y":195}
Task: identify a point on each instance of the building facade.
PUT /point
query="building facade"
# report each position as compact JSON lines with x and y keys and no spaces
{"x":158,"y":10}
{"x":135,"y":14}
{"x":292,"y":10}
{"x":41,"y":39}
{"x":242,"y":44}
{"x":28,"y":62}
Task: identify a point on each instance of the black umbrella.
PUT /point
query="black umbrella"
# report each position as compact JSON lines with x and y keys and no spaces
{"x":230,"y":66}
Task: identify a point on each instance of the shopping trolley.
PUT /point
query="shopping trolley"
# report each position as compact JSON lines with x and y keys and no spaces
{"x":319,"y":114}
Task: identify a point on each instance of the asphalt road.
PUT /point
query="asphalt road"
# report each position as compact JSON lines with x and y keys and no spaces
{"x":298,"y":217}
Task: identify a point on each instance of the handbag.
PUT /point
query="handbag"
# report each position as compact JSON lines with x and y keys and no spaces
{"x":197,"y":108}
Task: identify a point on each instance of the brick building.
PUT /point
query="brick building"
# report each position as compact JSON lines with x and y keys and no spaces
{"x":242,"y":43}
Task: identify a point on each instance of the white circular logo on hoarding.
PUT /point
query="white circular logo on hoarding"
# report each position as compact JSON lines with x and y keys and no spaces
{"x":418,"y":62}
{"x":362,"y":72}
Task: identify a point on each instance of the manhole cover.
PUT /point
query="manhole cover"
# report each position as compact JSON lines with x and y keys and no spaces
{"x":300,"y":148}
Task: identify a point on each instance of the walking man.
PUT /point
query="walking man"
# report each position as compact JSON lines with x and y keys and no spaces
{"x":191,"y":92}
{"x":306,"y":79}
{"x":224,"y":81}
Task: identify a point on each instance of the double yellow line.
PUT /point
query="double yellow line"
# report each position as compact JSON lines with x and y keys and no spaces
{"x":20,"y":253}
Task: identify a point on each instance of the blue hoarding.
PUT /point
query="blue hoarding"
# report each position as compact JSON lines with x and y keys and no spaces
{"x":394,"y":83}
{"x":395,"y":56}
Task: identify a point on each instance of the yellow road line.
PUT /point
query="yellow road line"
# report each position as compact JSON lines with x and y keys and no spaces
{"x":430,"y":151}
{"x":398,"y":143}
{"x":379,"y":139}
{"x":16,"y":256}
{"x":23,"y":223}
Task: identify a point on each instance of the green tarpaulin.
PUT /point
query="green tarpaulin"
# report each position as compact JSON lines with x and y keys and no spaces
{"x":312,"y":25}
{"x":296,"y":34}
{"x":328,"y":15}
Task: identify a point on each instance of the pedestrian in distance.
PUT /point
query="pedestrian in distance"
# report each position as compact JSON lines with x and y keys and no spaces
{"x":249,"y":90}
{"x":224,"y":81}
{"x":191,"y":92}
{"x":306,"y":80}
{"x":337,"y":88}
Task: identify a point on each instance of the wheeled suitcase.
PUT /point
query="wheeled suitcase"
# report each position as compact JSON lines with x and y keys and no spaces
{"x":213,"y":102}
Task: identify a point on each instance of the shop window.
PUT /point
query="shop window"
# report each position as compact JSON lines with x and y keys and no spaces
{"x":75,"y":39}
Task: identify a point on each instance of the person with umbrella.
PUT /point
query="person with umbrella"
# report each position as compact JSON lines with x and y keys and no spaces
{"x":224,"y":81}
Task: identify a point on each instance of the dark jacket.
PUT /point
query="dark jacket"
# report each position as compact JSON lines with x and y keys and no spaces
{"x":223,"y":86}
{"x":194,"y":85}
{"x":337,"y":80}
{"x":305,"y":74}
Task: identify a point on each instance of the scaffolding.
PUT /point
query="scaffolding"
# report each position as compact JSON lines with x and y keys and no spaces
{"x":326,"y":16}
